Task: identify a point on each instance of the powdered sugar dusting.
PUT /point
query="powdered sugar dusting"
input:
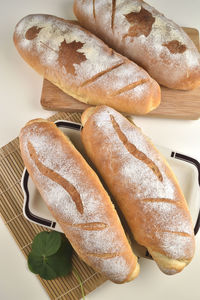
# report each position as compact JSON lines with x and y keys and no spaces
{"x":148,"y":51}
{"x":167,"y":216}
{"x":123,"y":76}
{"x":129,"y":6}
{"x":113,"y":267}
{"x":163,"y":31}
{"x":175,"y":247}
{"x":52,"y":154}
{"x":158,"y":201}
{"x":53,"y":32}
{"x":133,"y":170}
{"x":45,"y":48}
{"x":141,"y":175}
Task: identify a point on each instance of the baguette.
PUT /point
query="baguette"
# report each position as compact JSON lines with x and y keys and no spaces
{"x":140,"y":32}
{"x":143,"y":186}
{"x":77,"y":200}
{"x":84,"y":67}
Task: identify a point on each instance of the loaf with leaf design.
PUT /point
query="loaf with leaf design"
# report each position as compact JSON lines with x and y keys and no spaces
{"x":83,"y":66}
{"x":77,"y":200}
{"x":138,"y":31}
{"x":142,"y":184}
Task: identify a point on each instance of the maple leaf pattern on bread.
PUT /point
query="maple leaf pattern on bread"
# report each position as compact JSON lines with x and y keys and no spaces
{"x":141,"y":23}
{"x":32,"y":32}
{"x":70,"y":50}
{"x":175,"y":47}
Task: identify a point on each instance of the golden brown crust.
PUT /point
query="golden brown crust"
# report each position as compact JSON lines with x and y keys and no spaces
{"x":147,"y":37}
{"x":77,"y":200}
{"x":143,"y":186}
{"x":83,"y":66}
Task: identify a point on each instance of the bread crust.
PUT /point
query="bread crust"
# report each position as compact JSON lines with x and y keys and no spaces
{"x":77,"y":200}
{"x":144,"y":35}
{"x":143,"y":185}
{"x":83,"y":66}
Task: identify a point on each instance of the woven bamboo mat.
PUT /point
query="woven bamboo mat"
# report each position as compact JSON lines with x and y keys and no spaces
{"x":11,"y":203}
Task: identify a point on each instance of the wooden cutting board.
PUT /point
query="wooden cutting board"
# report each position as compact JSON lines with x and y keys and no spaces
{"x":175,"y":104}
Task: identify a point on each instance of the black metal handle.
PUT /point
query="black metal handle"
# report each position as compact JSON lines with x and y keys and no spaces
{"x":195,"y":162}
{"x":29,"y":214}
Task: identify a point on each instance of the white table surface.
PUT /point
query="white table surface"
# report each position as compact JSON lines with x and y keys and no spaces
{"x":20,"y":98}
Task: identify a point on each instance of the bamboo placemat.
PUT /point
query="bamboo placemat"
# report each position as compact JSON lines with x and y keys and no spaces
{"x":11,"y":203}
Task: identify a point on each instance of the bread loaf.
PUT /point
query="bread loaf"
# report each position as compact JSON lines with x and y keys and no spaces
{"x":143,"y":186}
{"x":140,"y":32}
{"x":83,"y":66}
{"x":77,"y":200}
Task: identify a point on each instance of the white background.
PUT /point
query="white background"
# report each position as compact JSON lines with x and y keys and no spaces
{"x":20,"y":101}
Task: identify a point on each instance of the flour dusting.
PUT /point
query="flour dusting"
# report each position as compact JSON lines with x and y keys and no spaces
{"x":156,"y":209}
{"x":53,"y":154}
{"x":44,"y":49}
{"x":149,"y":51}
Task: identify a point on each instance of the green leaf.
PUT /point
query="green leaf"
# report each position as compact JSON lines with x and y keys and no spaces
{"x":46,"y":243}
{"x":35,"y":263}
{"x":48,"y":273}
{"x":61,"y":261}
{"x":39,"y":265}
{"x":50,"y":266}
